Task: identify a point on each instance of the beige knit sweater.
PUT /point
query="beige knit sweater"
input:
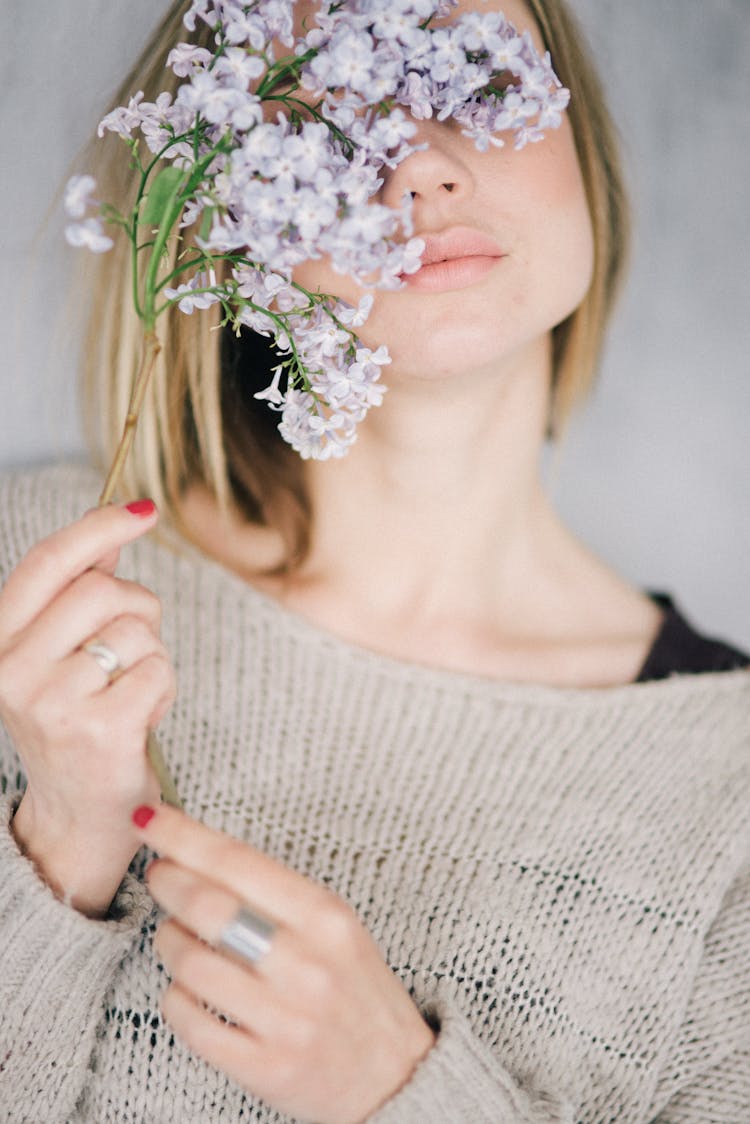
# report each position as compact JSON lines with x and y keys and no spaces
{"x":560,"y":876}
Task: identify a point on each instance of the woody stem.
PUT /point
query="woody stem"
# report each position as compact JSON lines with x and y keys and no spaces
{"x":151,"y":349}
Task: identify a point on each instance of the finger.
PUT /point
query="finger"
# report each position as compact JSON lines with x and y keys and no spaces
{"x":139,"y":696}
{"x":208,"y":976}
{"x":249,"y":874}
{"x":129,"y":638}
{"x":151,"y":682}
{"x":54,"y":562}
{"x":85,"y":609}
{"x":232,"y":1050}
{"x":277,"y":1072}
{"x":205,"y":908}
{"x":198,"y":903}
{"x":108,"y":562}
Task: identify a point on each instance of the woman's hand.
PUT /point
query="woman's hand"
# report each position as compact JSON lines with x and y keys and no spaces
{"x":320,"y":1027}
{"x":79,"y":732}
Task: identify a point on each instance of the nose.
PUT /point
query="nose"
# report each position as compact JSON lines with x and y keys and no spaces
{"x":433,"y":174}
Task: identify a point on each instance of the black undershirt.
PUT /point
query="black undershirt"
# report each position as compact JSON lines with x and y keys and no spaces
{"x":679,"y":650}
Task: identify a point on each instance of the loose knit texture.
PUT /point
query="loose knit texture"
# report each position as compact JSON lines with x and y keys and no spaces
{"x":560,"y":877}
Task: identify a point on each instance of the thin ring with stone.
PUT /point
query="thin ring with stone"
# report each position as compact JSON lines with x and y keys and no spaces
{"x":108,"y":660}
{"x":247,"y":936}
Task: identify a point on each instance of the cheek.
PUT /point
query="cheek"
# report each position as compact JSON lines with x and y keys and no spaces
{"x":318,"y":276}
{"x":558,"y":220}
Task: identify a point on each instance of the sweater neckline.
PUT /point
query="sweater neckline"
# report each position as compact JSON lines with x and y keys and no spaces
{"x":329,"y":645}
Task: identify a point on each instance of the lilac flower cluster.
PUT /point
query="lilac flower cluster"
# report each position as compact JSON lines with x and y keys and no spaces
{"x":281,"y":183}
{"x":381,"y":50}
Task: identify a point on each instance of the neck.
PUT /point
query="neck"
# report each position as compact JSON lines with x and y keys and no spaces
{"x":433,"y":540}
{"x":439,"y":503}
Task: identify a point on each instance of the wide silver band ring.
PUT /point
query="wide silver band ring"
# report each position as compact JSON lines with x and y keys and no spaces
{"x":247,"y":936}
{"x":108,"y":660}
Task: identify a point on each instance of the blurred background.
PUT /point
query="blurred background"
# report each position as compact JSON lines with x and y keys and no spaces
{"x":654,"y":473}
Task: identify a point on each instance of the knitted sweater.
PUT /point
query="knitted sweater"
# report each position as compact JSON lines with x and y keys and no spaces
{"x":561,"y":877}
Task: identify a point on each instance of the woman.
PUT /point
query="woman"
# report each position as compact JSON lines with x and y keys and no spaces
{"x":475,"y":851}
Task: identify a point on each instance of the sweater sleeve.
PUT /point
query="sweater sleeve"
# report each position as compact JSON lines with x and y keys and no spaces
{"x":707,"y":1077}
{"x":57,"y":965}
{"x":461,"y":1079}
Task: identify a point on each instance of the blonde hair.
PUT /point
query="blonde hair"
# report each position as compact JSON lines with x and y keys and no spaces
{"x":201,"y":424}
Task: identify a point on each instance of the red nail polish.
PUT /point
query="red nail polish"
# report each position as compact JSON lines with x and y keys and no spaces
{"x":143,"y":815}
{"x":143,"y":508}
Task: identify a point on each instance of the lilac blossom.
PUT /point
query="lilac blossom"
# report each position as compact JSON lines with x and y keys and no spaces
{"x":78,"y":195}
{"x":274,"y":192}
{"x":78,"y":198}
{"x":123,"y":119}
{"x":198,"y":292}
{"x":185,"y":59}
{"x":90,"y":234}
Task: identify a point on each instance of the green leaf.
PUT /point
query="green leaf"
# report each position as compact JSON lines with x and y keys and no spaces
{"x":161,"y":195}
{"x":206,"y":220}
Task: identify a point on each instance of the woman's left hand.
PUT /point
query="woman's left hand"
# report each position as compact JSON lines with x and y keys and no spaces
{"x":320,"y":1026}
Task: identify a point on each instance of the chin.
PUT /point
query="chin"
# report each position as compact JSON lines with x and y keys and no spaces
{"x":455,"y":345}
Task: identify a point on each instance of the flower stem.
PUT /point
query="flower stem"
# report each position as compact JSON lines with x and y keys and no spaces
{"x":169,"y":793}
{"x":151,"y":349}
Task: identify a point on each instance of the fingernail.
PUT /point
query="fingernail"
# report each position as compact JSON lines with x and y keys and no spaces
{"x":143,"y":815}
{"x":143,"y":508}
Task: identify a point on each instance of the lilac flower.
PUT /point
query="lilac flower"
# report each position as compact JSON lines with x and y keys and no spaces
{"x":123,"y":119}
{"x":192,"y":293}
{"x":238,"y":68}
{"x":448,"y":57}
{"x":272,"y":395}
{"x":416,"y":92}
{"x":312,"y":214}
{"x":483,"y":31}
{"x":77,"y":198}
{"x":356,"y":317}
{"x":90,"y":234}
{"x":396,"y":22}
{"x":160,"y":121}
{"x":275,"y":193}
{"x":185,"y":59}
{"x":307,"y":431}
{"x":308,"y":150}
{"x":245,"y":27}
{"x":206,"y":95}
{"x":199,"y":9}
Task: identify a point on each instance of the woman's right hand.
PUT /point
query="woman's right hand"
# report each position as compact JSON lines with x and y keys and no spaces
{"x":82,"y":738}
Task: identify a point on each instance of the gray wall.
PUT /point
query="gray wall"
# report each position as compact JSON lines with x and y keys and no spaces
{"x":654,"y":475}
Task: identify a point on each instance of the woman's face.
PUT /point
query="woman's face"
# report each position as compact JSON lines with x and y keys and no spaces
{"x":529,"y":205}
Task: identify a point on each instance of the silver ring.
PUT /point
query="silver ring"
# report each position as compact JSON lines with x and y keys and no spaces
{"x":108,"y":660}
{"x":247,"y":936}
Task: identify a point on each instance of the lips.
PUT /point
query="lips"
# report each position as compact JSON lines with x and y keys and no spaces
{"x":458,"y":243}
{"x":454,"y":259}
